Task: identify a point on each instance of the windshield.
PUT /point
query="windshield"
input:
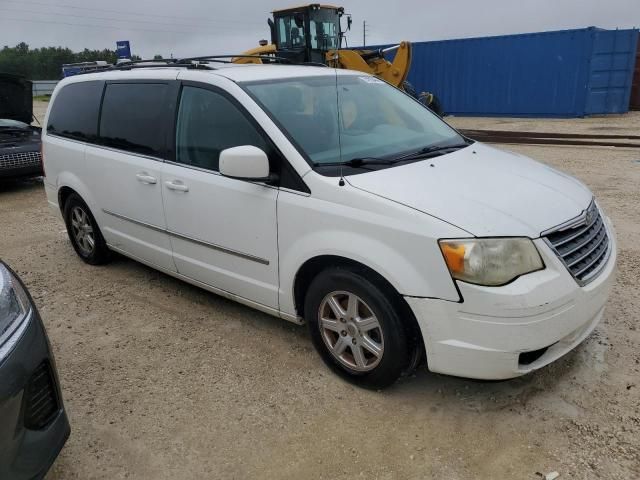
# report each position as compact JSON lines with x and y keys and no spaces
{"x":325,"y":29}
{"x":365,"y":117}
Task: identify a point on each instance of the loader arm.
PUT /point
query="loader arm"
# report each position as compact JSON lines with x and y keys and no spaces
{"x":262,"y":50}
{"x":373,"y":62}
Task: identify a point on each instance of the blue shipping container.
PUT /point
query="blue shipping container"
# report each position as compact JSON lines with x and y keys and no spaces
{"x":568,"y":73}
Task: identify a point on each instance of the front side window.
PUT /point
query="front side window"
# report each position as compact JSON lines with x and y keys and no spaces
{"x":134,"y":116}
{"x":208,"y":123}
{"x":74,"y":113}
{"x":340,"y":118}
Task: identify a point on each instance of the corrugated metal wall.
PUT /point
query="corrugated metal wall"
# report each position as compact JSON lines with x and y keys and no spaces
{"x":565,"y":73}
{"x":610,"y":71}
{"x":634,"y":104}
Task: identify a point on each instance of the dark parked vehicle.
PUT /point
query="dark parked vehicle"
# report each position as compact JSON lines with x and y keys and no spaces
{"x":19,"y":141}
{"x":33,"y":422}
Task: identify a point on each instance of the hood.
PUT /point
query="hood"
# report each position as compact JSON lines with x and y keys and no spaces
{"x":16,"y":98}
{"x":483,"y":190}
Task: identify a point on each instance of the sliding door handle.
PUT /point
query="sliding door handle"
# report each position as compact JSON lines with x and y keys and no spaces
{"x":177,"y":185}
{"x":144,"y":177}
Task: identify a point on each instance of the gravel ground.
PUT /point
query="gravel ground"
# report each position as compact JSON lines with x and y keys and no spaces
{"x":165,"y":381}
{"x":627,"y":124}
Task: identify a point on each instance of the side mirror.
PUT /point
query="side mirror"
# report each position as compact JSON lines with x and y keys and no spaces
{"x":245,"y":162}
{"x":349,"y":22}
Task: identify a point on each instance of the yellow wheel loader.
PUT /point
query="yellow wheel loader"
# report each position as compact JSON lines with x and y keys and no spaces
{"x":312,"y":34}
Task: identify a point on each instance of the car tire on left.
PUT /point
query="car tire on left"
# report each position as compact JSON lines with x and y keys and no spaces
{"x":84,"y":233}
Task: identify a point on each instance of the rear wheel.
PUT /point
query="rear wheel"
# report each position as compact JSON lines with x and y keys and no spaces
{"x":83,"y":231}
{"x":356,"y":329}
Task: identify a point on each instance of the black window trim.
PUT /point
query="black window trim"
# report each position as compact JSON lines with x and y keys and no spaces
{"x":168,"y":115}
{"x":69,"y":137}
{"x":299,"y":185}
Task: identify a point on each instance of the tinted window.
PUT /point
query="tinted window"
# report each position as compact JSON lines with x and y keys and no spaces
{"x":207,"y":124}
{"x":74,"y":113}
{"x":133,"y":117}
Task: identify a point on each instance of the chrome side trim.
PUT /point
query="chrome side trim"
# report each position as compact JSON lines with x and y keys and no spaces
{"x":137,"y":222}
{"x":218,"y":291}
{"x":246,"y":256}
{"x":193,"y":167}
{"x":213,"y":246}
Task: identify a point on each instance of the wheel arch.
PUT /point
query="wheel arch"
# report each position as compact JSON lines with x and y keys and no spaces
{"x":63,"y":194}
{"x":69,"y":183}
{"x":315,"y":265}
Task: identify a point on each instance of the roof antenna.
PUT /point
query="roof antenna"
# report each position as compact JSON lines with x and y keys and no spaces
{"x":341,"y":181}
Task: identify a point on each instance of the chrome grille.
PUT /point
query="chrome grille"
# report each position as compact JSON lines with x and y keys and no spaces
{"x":21,"y":159}
{"x":582,"y":245}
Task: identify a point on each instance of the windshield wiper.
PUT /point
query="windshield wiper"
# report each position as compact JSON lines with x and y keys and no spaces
{"x":425,"y":152}
{"x":431,"y":151}
{"x":358,"y":162}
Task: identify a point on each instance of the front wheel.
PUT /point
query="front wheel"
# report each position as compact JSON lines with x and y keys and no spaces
{"x":356,"y":329}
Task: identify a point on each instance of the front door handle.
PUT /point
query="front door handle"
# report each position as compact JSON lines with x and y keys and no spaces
{"x":177,"y":185}
{"x":144,"y":177}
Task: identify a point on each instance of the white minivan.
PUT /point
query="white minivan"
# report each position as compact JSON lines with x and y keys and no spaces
{"x":330,"y":197}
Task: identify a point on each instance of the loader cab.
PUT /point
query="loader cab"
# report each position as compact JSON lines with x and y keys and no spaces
{"x":305,"y":34}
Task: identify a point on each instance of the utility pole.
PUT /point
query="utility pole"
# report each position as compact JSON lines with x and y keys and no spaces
{"x":364,"y":33}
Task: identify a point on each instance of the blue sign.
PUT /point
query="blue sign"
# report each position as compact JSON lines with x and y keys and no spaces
{"x":123,"y":49}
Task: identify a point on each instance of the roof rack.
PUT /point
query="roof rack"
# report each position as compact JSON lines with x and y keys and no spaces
{"x":223,"y":58}
{"x":187,"y":62}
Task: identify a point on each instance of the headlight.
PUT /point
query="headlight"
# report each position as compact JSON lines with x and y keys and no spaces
{"x":490,"y":261}
{"x":14,"y":304}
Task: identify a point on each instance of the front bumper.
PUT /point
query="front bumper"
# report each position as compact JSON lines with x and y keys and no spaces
{"x":33,"y":423}
{"x":504,"y":332}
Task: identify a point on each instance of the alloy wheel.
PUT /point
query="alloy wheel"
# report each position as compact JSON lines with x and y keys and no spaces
{"x":82,"y":230}
{"x":351,"y":331}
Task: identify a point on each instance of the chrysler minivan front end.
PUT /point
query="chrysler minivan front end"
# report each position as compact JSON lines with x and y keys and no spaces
{"x":535,"y":270}
{"x":498,"y":332}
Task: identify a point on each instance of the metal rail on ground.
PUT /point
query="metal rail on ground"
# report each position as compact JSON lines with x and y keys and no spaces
{"x":549,"y":138}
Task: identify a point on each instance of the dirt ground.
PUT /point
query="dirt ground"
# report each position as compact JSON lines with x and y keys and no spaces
{"x":165,"y":381}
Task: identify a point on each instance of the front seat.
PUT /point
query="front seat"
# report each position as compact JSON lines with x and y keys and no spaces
{"x":296,"y":38}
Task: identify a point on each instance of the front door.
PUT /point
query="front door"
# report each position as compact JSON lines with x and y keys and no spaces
{"x":223,"y":230}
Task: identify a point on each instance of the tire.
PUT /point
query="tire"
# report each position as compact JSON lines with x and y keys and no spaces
{"x":436,"y":106}
{"x":429,"y":100}
{"x":84,"y":233}
{"x":347,"y":342}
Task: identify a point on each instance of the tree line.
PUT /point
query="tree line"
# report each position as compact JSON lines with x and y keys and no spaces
{"x":46,"y":63}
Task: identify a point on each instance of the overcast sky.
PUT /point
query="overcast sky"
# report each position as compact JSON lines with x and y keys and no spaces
{"x":199,"y":27}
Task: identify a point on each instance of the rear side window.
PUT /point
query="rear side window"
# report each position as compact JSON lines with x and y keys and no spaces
{"x":74,"y":113}
{"x":134,"y":117}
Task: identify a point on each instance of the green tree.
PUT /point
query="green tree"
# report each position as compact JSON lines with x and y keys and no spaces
{"x":46,"y":63}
